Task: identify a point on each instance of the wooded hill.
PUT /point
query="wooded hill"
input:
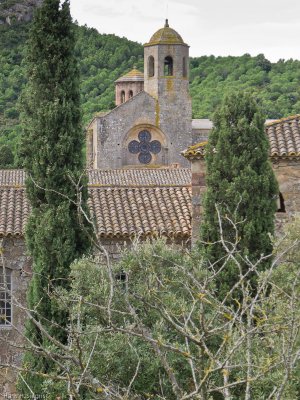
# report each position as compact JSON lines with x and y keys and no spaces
{"x":104,"y":58}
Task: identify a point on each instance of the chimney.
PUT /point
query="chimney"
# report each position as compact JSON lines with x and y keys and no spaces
{"x":195,"y":154}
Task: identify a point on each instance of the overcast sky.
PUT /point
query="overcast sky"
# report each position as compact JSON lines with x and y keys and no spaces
{"x":218,"y":27}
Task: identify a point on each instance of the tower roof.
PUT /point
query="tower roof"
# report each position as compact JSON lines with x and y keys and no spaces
{"x":134,"y":75}
{"x":165,"y":35}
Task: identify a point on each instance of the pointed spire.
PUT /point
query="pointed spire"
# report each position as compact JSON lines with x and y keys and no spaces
{"x":167,"y":23}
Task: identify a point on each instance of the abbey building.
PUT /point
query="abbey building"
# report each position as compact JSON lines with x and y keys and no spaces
{"x":146,"y":174}
{"x":152,"y":122}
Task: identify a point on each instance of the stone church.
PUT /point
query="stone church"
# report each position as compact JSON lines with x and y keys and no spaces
{"x":146,"y":173}
{"x":152,"y":122}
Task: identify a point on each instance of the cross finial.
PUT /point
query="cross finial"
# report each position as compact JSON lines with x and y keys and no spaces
{"x":167,"y":23}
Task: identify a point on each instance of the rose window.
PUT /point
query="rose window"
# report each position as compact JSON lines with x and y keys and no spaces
{"x":144,"y":147}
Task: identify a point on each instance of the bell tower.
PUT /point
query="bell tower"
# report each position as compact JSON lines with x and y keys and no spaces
{"x":166,"y":79}
{"x":166,"y":60}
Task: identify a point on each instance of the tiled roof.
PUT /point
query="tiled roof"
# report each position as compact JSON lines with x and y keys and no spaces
{"x":284,"y":138}
{"x":12,"y":177}
{"x":115,"y":177}
{"x":14,"y":211}
{"x":132,"y":76}
{"x":195,"y":152}
{"x":123,"y":203}
{"x":140,"y":177}
{"x":125,"y":212}
{"x":283,"y":135}
{"x":165,"y":35}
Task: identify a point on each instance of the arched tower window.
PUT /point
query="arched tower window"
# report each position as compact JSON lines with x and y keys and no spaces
{"x":150,"y":66}
{"x":130,"y":94}
{"x":184,"y":67}
{"x":122,"y":96}
{"x":168,"y":66}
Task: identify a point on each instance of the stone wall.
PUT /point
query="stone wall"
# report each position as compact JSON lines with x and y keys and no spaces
{"x":165,"y":104}
{"x":107,"y":136}
{"x":111,"y":130}
{"x":130,"y":89}
{"x":174,"y":108}
{"x":288,"y":176}
{"x":200,"y":135}
{"x":198,"y":190}
{"x":14,"y":258}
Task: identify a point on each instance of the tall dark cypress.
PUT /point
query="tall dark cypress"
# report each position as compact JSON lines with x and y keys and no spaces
{"x":51,"y":146}
{"x":241,"y":184}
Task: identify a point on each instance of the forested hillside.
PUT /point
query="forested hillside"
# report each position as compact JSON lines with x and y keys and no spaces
{"x":103,"y":58}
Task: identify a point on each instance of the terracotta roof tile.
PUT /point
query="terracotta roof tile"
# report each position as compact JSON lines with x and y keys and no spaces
{"x":12,"y":177}
{"x":117,"y":177}
{"x":284,"y":138}
{"x":124,"y":212}
{"x":140,"y":177}
{"x":283,"y":135}
{"x":133,"y":76}
{"x":196,"y":151}
{"x":14,"y":211}
{"x":124,"y":203}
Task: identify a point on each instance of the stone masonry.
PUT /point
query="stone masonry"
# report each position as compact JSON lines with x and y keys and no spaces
{"x":14,"y":258}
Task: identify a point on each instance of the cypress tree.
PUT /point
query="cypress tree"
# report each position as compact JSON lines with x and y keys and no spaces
{"x":241,"y":184}
{"x":51,"y":146}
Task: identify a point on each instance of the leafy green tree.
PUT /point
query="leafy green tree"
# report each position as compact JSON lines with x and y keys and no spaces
{"x":51,"y":149}
{"x":152,"y":326}
{"x":240,"y":201}
{"x":6,"y":156}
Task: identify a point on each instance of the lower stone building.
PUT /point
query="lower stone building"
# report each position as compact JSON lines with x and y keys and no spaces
{"x":126,"y":204}
{"x":284,"y":139}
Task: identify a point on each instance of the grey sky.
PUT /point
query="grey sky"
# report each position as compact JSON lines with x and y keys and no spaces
{"x":218,"y":27}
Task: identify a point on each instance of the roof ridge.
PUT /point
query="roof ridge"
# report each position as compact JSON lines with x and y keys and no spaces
{"x":138,"y":169}
{"x":280,"y":120}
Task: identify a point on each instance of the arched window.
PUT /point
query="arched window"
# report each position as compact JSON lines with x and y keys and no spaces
{"x":168,"y":66}
{"x":5,"y":297}
{"x":122,"y":96}
{"x":130,"y":94}
{"x":151,"y":66}
{"x":280,"y":203}
{"x":184,"y":67}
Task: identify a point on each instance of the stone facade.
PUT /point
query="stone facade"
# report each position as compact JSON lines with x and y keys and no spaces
{"x":13,"y":258}
{"x":163,"y":109}
{"x":129,"y":86}
{"x":287,"y":173}
{"x":288,"y":177}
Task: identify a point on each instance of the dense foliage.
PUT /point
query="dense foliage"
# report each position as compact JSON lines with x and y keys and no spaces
{"x":103,"y":58}
{"x":152,"y":327}
{"x":240,"y":200}
{"x":52,"y":144}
